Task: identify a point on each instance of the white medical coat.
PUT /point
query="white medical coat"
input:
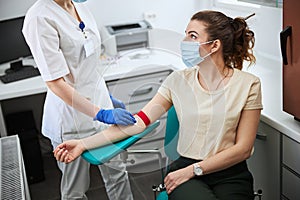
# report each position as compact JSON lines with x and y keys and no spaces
{"x":58,"y":47}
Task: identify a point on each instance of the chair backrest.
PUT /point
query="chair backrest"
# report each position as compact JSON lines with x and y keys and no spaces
{"x":170,"y":144}
{"x":171,"y":136}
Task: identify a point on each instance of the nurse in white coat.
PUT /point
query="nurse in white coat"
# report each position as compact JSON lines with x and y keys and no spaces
{"x":65,"y":43}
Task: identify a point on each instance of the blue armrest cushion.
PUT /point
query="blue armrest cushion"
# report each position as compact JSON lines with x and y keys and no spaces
{"x":100,"y":155}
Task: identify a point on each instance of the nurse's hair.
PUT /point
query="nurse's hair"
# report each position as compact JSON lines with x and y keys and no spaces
{"x":236,"y":37}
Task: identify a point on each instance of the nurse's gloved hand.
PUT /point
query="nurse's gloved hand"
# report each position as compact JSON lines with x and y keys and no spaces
{"x":117,"y":103}
{"x":115,"y":116}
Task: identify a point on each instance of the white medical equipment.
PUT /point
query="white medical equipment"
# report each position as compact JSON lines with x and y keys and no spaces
{"x":119,"y":37}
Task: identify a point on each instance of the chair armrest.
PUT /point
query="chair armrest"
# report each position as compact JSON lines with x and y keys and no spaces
{"x":103,"y":154}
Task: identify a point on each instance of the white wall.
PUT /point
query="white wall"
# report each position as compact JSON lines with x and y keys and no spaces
{"x":172,"y":15}
{"x":268,"y":36}
{"x":266,"y":24}
{"x":14,"y":8}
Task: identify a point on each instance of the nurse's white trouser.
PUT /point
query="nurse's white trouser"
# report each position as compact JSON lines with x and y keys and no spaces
{"x":76,"y":179}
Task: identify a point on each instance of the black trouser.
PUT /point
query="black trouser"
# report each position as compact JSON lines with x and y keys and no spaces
{"x":234,"y":183}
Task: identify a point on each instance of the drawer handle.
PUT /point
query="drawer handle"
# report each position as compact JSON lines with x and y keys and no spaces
{"x":261,"y":136}
{"x":142,"y":91}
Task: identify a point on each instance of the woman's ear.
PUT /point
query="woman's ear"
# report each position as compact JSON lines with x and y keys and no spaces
{"x":216,"y":45}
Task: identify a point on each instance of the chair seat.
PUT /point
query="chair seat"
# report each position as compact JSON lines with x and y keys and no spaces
{"x":103,"y":154}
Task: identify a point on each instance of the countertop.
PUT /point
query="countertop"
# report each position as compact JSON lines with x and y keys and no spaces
{"x":128,"y":63}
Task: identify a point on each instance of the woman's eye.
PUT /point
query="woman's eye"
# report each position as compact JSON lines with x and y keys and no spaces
{"x":194,"y":37}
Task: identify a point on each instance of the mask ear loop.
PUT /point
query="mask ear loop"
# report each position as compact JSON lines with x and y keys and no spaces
{"x":206,"y":43}
{"x":210,"y":41}
{"x":214,"y":46}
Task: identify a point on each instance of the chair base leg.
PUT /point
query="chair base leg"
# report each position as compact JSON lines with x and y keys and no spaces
{"x":258,"y":194}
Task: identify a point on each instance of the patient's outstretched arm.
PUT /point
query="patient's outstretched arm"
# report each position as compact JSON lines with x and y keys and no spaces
{"x":71,"y":149}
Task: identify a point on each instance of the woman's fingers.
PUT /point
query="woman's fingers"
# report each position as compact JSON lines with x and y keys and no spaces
{"x":61,"y":154}
{"x":168,"y":184}
{"x":59,"y":147}
{"x":64,"y":155}
{"x":172,"y":181}
{"x":170,"y":187}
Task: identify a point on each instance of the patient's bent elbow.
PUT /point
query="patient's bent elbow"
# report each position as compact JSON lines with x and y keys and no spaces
{"x":247,"y":154}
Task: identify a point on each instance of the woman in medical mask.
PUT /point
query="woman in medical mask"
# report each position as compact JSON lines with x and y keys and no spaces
{"x":218,"y":106}
{"x":65,"y":43}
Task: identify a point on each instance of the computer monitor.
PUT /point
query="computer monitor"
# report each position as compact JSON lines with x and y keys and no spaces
{"x":12,"y":42}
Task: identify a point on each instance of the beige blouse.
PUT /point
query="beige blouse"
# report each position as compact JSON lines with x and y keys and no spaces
{"x":209,"y":119}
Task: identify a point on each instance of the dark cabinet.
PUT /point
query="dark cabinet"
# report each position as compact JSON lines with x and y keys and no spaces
{"x":290,"y":49}
{"x":264,"y":164}
{"x":290,"y":169}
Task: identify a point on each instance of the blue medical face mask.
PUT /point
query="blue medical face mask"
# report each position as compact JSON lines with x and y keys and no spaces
{"x":79,"y":1}
{"x":190,"y":52}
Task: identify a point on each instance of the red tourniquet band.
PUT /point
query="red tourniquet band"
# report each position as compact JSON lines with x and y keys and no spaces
{"x":144,"y":117}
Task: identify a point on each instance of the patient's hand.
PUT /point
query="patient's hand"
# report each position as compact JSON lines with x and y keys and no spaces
{"x":178,"y":177}
{"x":68,"y":151}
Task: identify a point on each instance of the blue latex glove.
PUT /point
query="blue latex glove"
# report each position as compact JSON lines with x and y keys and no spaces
{"x":115,"y":116}
{"x":117,"y":103}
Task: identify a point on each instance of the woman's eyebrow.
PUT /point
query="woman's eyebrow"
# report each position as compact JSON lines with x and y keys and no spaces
{"x":190,"y":32}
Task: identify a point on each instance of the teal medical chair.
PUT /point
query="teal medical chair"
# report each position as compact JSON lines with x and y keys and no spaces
{"x":103,"y":154}
{"x":170,"y":148}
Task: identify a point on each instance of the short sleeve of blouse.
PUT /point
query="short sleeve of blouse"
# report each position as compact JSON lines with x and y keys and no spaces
{"x":254,"y":100}
{"x":42,"y":37}
{"x":164,"y":89}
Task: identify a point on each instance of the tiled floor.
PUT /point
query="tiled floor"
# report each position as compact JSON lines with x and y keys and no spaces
{"x":141,"y":183}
